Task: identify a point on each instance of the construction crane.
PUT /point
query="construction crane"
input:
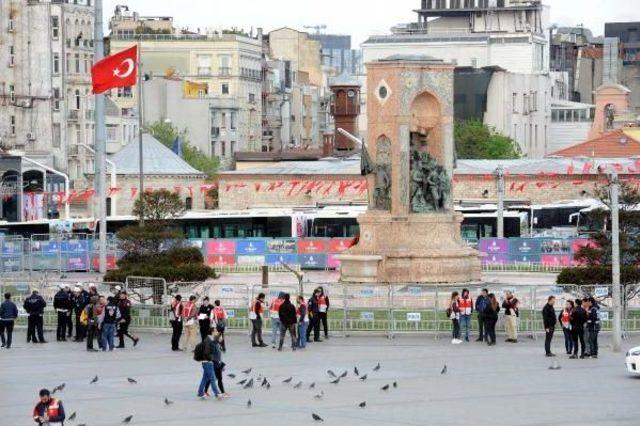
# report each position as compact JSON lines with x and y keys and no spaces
{"x":317,"y":28}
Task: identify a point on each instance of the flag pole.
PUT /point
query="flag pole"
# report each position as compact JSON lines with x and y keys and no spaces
{"x":100,"y":181}
{"x":140,"y":124}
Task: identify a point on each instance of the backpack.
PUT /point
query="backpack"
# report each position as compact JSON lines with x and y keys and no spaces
{"x":198,"y":352}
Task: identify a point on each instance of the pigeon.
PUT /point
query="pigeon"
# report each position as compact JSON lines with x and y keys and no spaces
{"x":58,"y":388}
{"x":343,"y":375}
{"x":242,"y":382}
{"x":247,"y":371}
{"x":336,"y":381}
{"x":127,"y":419}
{"x":444,"y":370}
{"x":82,"y":424}
{"x":395,"y":384}
{"x":268,"y":386}
{"x":72,"y":416}
{"x":297,"y":386}
{"x":312,"y":385}
{"x":132,"y":381}
{"x":363,"y":378}
{"x":249,"y":404}
{"x":264,"y":382}
{"x":249,"y":384}
{"x":287,"y":380}
{"x":555,"y":366}
{"x":94,"y":380}
{"x":316,"y":417}
{"x":167,"y":402}
{"x":355,"y":371}
{"x":231,"y":375}
{"x":362,"y":404}
{"x":377,"y":367}
{"x":331,"y":373}
{"x":385,"y":387}
{"x":319,"y":396}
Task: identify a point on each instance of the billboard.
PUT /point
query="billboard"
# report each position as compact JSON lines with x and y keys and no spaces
{"x":251,"y":247}
{"x":221,"y":260}
{"x":250,"y":260}
{"x":524,"y":258}
{"x":338,"y":245}
{"x":312,"y":261}
{"x":555,"y":260}
{"x":225,"y":247}
{"x":281,"y":246}
{"x":524,"y":246}
{"x":332,"y":262}
{"x":495,"y":259}
{"x":311,"y":246}
{"x":555,"y":246}
{"x":494,"y":245}
{"x":277,"y":259}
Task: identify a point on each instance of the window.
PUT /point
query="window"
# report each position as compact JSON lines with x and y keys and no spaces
{"x":223,"y":120}
{"x":213,"y":148}
{"x":454,"y":4}
{"x":112,"y":133}
{"x":12,"y":56}
{"x":56,"y":63}
{"x":78,"y":135}
{"x":225,"y":66}
{"x":225,"y":88}
{"x":514,"y":102}
{"x":56,"y":135}
{"x":55,"y":27}
{"x":233,"y":147}
{"x":12,"y":93}
{"x":252,"y":98}
{"x":77,"y":57}
{"x":77,"y":105}
{"x":223,"y":149}
{"x":56,"y":99}
{"x":86,"y":64}
{"x":204,"y":65}
{"x":12,"y":125}
{"x":67,"y":63}
{"x":188,"y":203}
{"x":525,"y":104}
{"x":468,"y":4}
{"x":234,"y":123}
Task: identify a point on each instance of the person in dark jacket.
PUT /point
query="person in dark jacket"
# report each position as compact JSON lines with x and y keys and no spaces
{"x":593,"y":325}
{"x":578,"y":319}
{"x":314,"y":317}
{"x":323,"y":311}
{"x":218,"y":365}
{"x":79,"y":300}
{"x":124,"y":305}
{"x":48,"y":411}
{"x":110,"y":318}
{"x":92,"y":322}
{"x":8,"y":315}
{"x":204,"y":318}
{"x":549,"y":320}
{"x":564,"y":319}
{"x":34,"y":305}
{"x":481,"y":305}
{"x":288,"y":321}
{"x":208,"y":373}
{"x":63,"y":307}
{"x":490,"y":316}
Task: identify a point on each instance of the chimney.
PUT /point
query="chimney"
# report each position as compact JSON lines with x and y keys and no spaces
{"x":259,"y":34}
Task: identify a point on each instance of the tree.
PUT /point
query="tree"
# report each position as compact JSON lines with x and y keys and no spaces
{"x":166,"y":133}
{"x":476,"y":140}
{"x":159,"y":206}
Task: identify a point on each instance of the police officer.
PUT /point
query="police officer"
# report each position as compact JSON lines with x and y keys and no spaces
{"x":63,"y":307}
{"x":34,"y":305}
{"x":79,"y":300}
{"x":124,"y":304}
{"x":92,"y":322}
{"x":593,"y":325}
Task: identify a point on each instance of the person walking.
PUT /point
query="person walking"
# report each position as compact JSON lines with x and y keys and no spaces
{"x":110,"y":317}
{"x":511,"y":314}
{"x":453,"y":312}
{"x":219,"y":316}
{"x":274,"y":308}
{"x":34,"y":305}
{"x":90,"y":315}
{"x":565,"y":321}
{"x":549,"y":322}
{"x":314,"y":316}
{"x":48,"y":411}
{"x":490,"y":317}
{"x":175,"y":319}
{"x":593,"y":324}
{"x":323,"y":311}
{"x":465,"y":303}
{"x":481,"y":304}
{"x":204,"y":318}
{"x":189,"y":320}
{"x":79,"y":300}
{"x":288,"y":321}
{"x":303,"y":322}
{"x":124,"y":305}
{"x":218,"y":365}
{"x":255,"y":315}
{"x":578,"y":320}
{"x":208,"y":373}
{"x":8,"y":315}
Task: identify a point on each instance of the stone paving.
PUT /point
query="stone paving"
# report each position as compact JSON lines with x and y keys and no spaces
{"x":503,"y":385}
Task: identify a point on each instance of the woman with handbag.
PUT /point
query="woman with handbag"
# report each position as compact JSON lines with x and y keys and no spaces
{"x":219,"y":317}
{"x":565,"y":320}
{"x":453,"y":311}
{"x":490,"y":316}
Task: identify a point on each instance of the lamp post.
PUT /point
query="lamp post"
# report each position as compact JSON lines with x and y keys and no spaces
{"x":100,"y":144}
{"x":615,"y":262}
{"x":500,"y":191}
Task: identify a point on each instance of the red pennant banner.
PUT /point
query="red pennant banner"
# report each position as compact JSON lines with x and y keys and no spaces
{"x":190,"y":189}
{"x":257,"y":186}
{"x":134,"y":192}
{"x":513,"y":186}
{"x":294,"y":184}
{"x":177,"y":189}
{"x":113,"y":190}
{"x":586,"y":169}
{"x":540,"y":184}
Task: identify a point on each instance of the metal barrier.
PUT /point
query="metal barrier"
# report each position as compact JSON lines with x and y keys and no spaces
{"x":147,"y":289}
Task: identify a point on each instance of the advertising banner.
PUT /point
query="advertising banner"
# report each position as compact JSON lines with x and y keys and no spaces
{"x":312,"y":261}
{"x":224,"y":247}
{"x":47,"y":248}
{"x":555,"y":246}
{"x":524,"y":258}
{"x":282,"y":246}
{"x":250,"y":260}
{"x":338,"y":245}
{"x":555,"y":260}
{"x":276,"y":259}
{"x":495,"y":259}
{"x":332,"y":262}
{"x":251,"y":247}
{"x":45,"y":263}
{"x":77,"y":263}
{"x":11,"y":247}
{"x":524,"y":246}
{"x":494,"y":245}
{"x":576,"y":245}
{"x":111,"y":262}
{"x":221,"y":260}
{"x":311,"y":246}
{"x":74,"y":246}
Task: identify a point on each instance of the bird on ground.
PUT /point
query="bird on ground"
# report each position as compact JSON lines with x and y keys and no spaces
{"x":385,"y":387}
{"x":331,"y":373}
{"x":343,"y":375}
{"x":167,"y":402}
{"x":231,"y":375}
{"x":242,"y":382}
{"x":249,"y":384}
{"x":312,"y":385}
{"x":268,"y":386}
{"x":82,"y":424}
{"x":319,"y":395}
{"x":264,"y":382}
{"x":395,"y":384}
{"x":377,"y":367}
{"x":316,"y":417}
{"x":444,"y":369}
{"x":58,"y":388}
{"x":132,"y":381}
{"x":249,"y":404}
{"x":94,"y":380}
{"x":72,"y":416}
{"x":127,"y":419}
{"x":362,"y":404}
{"x":247,"y":371}
{"x":287,"y":380}
{"x":363,"y":378}
{"x":297,"y":385}
{"x":555,"y":366}
{"x":355,"y":371}
{"x":336,"y":381}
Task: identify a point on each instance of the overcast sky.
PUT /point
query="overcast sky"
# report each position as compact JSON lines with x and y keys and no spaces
{"x":359,"y":18}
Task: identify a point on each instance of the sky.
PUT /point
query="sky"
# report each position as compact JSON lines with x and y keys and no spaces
{"x":359,"y":18}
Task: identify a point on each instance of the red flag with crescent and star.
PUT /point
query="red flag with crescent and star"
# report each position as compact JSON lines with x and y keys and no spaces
{"x":119,"y":70}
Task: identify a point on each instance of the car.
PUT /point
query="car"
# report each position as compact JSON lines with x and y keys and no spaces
{"x":633,"y":360}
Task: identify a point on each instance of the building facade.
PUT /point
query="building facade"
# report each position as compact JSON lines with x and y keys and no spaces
{"x":628,"y":35}
{"x":338,"y":54}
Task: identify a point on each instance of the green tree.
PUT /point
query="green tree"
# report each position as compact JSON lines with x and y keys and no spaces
{"x":167,"y":134}
{"x":159,"y":206}
{"x":476,"y":140}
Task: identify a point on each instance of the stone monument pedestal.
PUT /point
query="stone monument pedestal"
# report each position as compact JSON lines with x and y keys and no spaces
{"x":419,"y":248}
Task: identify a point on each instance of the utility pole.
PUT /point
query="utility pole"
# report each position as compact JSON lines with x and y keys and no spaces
{"x":615,"y":263}
{"x":100,"y":143}
{"x":140,"y":131}
{"x":500,"y":212}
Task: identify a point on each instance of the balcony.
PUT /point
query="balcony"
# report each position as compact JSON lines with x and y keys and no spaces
{"x":224,"y":71}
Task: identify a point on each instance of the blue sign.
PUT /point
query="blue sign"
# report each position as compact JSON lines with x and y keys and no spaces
{"x":313,"y":261}
{"x":277,"y":259}
{"x":415,"y":290}
{"x":524,"y":258}
{"x":75,"y":246}
{"x":366,"y":316}
{"x":367,"y":292}
{"x":49,"y":248}
{"x":251,"y":247}
{"x":524,"y":246}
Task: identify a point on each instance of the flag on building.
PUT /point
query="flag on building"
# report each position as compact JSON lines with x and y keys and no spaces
{"x":119,"y":70}
{"x":177,"y":146}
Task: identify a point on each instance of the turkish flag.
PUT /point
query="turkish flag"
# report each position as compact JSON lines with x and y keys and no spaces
{"x":119,"y":70}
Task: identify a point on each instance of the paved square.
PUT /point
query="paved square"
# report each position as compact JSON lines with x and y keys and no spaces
{"x":503,"y":385}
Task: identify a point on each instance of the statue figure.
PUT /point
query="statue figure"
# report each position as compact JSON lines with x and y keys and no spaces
{"x":382,"y":190}
{"x":430,"y":184}
{"x":444,"y":187}
{"x":418,"y":201}
{"x":610,"y":112}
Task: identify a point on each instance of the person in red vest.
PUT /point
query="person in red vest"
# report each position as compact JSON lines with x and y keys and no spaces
{"x":274,"y":308}
{"x":189,"y":317}
{"x":465,"y":303}
{"x":175,"y":318}
{"x":323,"y":309}
{"x":48,"y":411}
{"x":219,"y":321}
{"x":255,"y":315}
{"x":565,"y":321}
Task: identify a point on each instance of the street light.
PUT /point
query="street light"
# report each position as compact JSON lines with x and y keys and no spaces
{"x":615,"y":263}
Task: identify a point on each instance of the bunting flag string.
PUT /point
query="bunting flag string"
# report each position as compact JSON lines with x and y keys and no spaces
{"x":134,"y":192}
